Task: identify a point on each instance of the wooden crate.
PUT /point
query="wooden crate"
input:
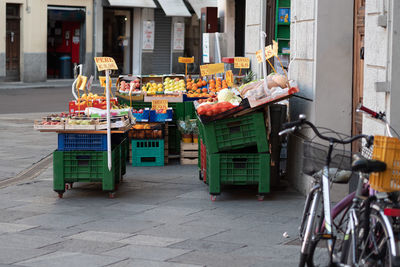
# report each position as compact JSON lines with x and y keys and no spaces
{"x":189,"y":153}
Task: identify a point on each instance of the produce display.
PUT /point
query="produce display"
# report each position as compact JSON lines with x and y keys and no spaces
{"x":147,"y":131}
{"x":153,"y":88}
{"x":124,"y":87}
{"x":175,"y":85}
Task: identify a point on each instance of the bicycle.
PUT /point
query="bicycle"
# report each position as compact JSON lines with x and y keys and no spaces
{"x":373,"y":242}
{"x":316,"y":223}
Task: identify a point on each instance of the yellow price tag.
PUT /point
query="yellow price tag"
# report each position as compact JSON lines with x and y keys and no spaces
{"x":102,"y":80}
{"x":269,"y":52}
{"x":229,"y":78}
{"x":275,"y":47}
{"x":241,"y":63}
{"x":159,"y":104}
{"x":105,"y":63}
{"x":186,"y":60}
{"x":211,"y":69}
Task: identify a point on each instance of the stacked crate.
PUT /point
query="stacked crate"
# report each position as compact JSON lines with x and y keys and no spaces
{"x":235,"y":151}
{"x":83,"y":158}
{"x":147,"y":145}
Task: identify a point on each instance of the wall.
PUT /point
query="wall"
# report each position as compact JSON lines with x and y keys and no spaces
{"x":255,"y":22}
{"x":147,"y":55}
{"x":376,"y":61}
{"x":175,"y":65}
{"x":321,"y":53}
{"x":226,"y":15}
{"x":34,"y":36}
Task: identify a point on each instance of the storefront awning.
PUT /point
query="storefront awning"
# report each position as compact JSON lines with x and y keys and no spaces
{"x":174,"y":8}
{"x":132,"y":3}
{"x":197,"y":5}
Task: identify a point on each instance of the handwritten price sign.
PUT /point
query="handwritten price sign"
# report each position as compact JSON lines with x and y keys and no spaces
{"x":186,"y":60}
{"x":211,"y":69}
{"x":105,"y":63}
{"x":270,"y":51}
{"x":159,"y":104}
{"x":229,"y":78}
{"x":241,"y":63}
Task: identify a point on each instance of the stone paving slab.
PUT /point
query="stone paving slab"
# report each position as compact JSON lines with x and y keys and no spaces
{"x":14,"y":255}
{"x":149,"y":263}
{"x":84,"y":246}
{"x":146,"y":252}
{"x":19,"y":240}
{"x":59,"y":259}
{"x":149,"y":240}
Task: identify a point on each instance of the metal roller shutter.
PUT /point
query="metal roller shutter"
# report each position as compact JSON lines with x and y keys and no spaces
{"x":162,"y":43}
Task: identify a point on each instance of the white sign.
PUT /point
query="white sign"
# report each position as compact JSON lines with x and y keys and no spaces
{"x":148,"y":35}
{"x":206,"y":48}
{"x":179,"y":36}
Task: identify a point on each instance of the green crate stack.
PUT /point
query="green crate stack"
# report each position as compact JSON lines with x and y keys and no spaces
{"x":238,"y":169}
{"x":235,"y":133}
{"x":174,"y":140}
{"x":124,"y":152}
{"x":179,"y":108}
{"x":147,"y":152}
{"x":237,"y":152}
{"x":190,"y":111}
{"x":86,"y":166}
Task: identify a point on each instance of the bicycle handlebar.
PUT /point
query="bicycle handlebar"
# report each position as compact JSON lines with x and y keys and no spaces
{"x":292,"y":126}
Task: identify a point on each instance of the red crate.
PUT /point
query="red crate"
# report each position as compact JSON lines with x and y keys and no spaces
{"x":75,"y":108}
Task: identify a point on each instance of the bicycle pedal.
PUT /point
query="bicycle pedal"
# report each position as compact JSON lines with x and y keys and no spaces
{"x":326,"y":236}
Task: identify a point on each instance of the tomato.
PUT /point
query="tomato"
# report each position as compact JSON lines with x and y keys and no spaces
{"x":209,"y":112}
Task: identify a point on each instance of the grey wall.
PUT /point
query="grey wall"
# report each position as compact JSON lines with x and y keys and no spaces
{"x":34,"y":67}
{"x":2,"y":65}
{"x":395,"y":68}
{"x":321,"y":50}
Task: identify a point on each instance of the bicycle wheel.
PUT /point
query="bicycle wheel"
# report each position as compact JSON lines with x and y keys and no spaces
{"x":310,"y":220}
{"x":375,"y":249}
{"x":319,"y":253}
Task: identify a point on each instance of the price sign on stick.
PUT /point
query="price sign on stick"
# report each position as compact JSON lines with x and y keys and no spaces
{"x":211,"y":69}
{"x":107,"y":64}
{"x":186,"y":60}
{"x":229,"y":78}
{"x":269,"y":53}
{"x":241,"y":63}
{"x":159,"y":104}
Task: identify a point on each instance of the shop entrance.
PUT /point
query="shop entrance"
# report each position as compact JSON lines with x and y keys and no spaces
{"x":358,"y":68}
{"x":117,"y":38}
{"x":65,"y":45}
{"x":12,"y":42}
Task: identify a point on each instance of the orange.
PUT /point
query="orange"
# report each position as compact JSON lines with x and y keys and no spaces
{"x":189,"y":86}
{"x":205,"y":90}
{"x":204,"y":83}
{"x":194,"y":87}
{"x":198,"y":91}
{"x":188,"y":79}
{"x":199,"y":84}
{"x":211,"y":81}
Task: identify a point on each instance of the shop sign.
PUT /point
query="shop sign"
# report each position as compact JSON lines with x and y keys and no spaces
{"x":159,"y":104}
{"x":148,"y":35}
{"x":186,"y":60}
{"x":105,"y":63}
{"x":241,"y":63}
{"x":179,"y":36}
{"x":211,"y":69}
{"x":229,"y":78}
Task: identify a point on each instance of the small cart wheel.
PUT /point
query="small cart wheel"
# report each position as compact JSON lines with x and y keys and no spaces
{"x":260,"y":197}
{"x":111,"y":194}
{"x":213,"y":197}
{"x":68,"y":186}
{"x":60,"y":195}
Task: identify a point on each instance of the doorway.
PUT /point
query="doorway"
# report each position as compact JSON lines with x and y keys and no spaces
{"x":358,"y":69}
{"x":13,"y":30}
{"x":117,"y":38}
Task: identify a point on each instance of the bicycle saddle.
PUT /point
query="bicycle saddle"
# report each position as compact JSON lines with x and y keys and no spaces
{"x":361,"y":164}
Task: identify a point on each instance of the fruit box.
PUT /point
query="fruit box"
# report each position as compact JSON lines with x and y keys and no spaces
{"x":223,"y":115}
{"x":38,"y":125}
{"x":171,"y":98}
{"x":149,"y":131}
{"x":161,"y":117}
{"x":152,"y":79}
{"x":81,"y":124}
{"x":116,"y":122}
{"x":142,"y":116}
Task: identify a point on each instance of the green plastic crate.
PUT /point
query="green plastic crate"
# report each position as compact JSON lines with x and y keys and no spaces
{"x":238,"y":169}
{"x":190,"y":111}
{"x":235,"y":133}
{"x":85,"y":166}
{"x":147,"y":152}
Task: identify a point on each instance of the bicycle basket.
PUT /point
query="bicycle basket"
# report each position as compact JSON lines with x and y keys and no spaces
{"x":386,"y":149}
{"x":314,"y":158}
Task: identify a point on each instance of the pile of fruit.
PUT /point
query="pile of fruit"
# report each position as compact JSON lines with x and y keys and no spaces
{"x":91,"y":97}
{"x":153,"y":88}
{"x":146,"y":131}
{"x":214,"y":109}
{"x":174,"y":85}
{"x":197,"y":88}
{"x":217,"y":85}
{"x":54,"y":119}
{"x":124,"y":86}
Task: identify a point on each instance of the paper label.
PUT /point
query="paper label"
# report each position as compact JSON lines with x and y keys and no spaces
{"x":159,"y":104}
{"x":186,"y":60}
{"x":210,"y":69}
{"x":241,"y":63}
{"x":105,"y":63}
{"x":229,"y":78}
